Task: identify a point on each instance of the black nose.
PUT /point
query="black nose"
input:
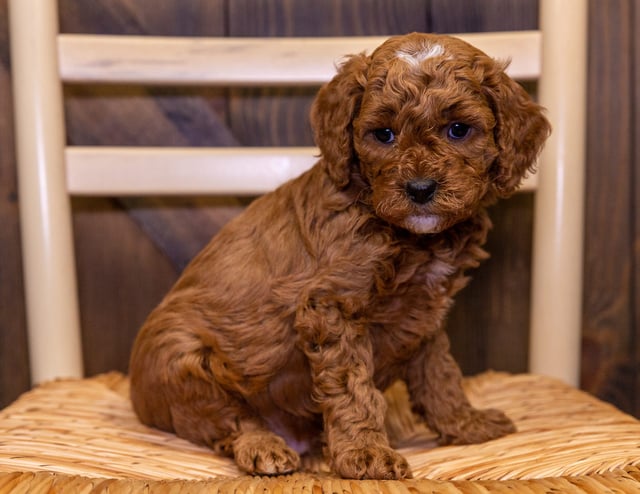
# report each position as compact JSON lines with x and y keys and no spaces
{"x":421,"y":191}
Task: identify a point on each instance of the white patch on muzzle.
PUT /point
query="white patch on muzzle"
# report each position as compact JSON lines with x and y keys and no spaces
{"x":422,"y":224}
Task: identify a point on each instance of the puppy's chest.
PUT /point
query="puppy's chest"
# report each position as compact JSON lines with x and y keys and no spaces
{"x":403,"y":319}
{"x":416,"y":287}
{"x":428,"y":270}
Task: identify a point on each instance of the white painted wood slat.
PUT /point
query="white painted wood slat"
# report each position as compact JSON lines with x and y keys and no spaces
{"x":122,"y":171}
{"x":249,"y":61}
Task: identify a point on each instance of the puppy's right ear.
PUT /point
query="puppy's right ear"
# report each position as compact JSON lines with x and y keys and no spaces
{"x":332,"y":114}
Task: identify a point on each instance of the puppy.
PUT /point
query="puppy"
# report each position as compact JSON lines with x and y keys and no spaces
{"x":281,"y":335}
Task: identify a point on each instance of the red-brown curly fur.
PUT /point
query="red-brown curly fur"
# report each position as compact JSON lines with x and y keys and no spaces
{"x":281,"y":334}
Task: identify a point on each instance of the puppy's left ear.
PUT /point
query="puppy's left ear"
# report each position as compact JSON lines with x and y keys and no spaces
{"x":332,"y":115}
{"x":521,"y":130}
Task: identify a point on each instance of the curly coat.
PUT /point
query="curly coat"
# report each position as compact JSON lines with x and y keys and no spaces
{"x":280,"y":336}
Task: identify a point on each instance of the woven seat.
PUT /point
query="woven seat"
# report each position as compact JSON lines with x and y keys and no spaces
{"x":81,"y":434}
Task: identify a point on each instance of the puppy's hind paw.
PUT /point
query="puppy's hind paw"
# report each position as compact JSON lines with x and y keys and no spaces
{"x":478,"y":426}
{"x":264,"y":453}
{"x":372,"y":462}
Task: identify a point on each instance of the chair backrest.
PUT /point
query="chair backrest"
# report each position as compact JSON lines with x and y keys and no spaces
{"x":49,"y":171}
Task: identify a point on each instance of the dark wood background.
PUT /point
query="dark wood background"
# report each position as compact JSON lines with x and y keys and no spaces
{"x":130,"y":251}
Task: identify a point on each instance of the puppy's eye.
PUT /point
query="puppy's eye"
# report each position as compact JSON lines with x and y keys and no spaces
{"x":385,"y":136}
{"x":458,"y":130}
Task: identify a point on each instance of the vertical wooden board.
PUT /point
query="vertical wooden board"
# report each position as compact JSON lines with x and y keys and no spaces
{"x":130,"y":115}
{"x":607,"y":309}
{"x":467,"y":16}
{"x":123,"y":279}
{"x":326,"y":18}
{"x":635,"y":292}
{"x":510,"y":244}
{"x":14,"y":359}
{"x":487,"y":325}
{"x":181,"y":226}
{"x":272,"y":116}
{"x":154,"y":17}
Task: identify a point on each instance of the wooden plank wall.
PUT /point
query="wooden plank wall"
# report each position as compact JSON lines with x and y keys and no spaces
{"x":130,"y":251}
{"x":14,"y":375}
{"x":634,"y":299}
{"x":611,"y":357}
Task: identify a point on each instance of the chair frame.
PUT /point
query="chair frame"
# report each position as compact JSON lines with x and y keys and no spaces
{"x":49,"y":171}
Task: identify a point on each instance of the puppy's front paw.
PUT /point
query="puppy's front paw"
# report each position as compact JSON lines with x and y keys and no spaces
{"x":264,"y":453}
{"x":371,"y":462}
{"x":477,"y":426}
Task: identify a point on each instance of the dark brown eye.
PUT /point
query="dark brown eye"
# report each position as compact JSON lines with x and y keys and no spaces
{"x":385,"y":136}
{"x":458,"y":130}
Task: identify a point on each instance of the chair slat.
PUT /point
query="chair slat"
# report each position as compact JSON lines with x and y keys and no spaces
{"x":122,"y":171}
{"x":249,"y":61}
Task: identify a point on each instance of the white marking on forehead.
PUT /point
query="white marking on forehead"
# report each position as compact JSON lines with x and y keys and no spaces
{"x":415,"y":58}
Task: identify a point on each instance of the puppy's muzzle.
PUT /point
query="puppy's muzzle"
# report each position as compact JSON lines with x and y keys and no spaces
{"x":421,"y":191}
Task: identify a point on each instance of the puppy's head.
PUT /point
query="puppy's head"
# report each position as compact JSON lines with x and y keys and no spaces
{"x":432,"y":126}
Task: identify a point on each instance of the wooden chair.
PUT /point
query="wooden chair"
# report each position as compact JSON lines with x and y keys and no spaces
{"x":77,"y":431}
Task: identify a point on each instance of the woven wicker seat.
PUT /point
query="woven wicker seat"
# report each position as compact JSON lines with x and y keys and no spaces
{"x":80,"y":435}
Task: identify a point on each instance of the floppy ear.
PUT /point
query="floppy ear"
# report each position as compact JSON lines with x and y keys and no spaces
{"x":521,"y":130}
{"x":332,"y":113}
